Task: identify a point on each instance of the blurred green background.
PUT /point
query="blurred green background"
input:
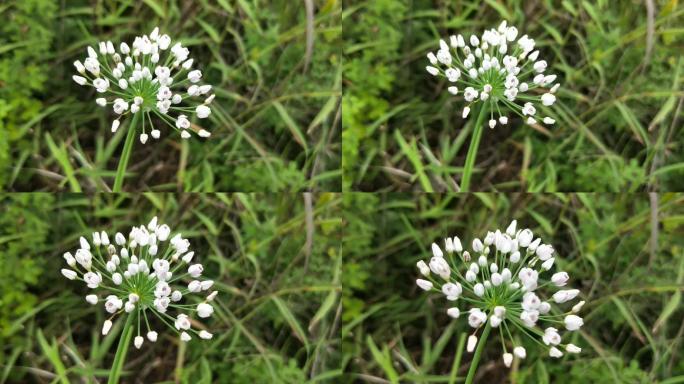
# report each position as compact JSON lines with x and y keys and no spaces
{"x":625,"y":252}
{"x":276,"y":72}
{"x":276,"y":260}
{"x":618,"y":115}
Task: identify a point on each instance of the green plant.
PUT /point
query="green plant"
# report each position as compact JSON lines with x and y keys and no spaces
{"x":25,"y":43}
{"x":24,"y":229}
{"x":617,"y":114}
{"x":632,"y":285}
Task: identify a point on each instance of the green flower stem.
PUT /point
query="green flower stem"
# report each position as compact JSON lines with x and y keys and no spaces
{"x":125,"y":154}
{"x":121,"y":350}
{"x":459,"y":355}
{"x":472,"y":150}
{"x":478,"y":352}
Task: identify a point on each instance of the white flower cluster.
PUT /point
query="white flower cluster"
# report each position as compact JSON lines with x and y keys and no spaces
{"x":140,"y":79}
{"x":501,"y":285}
{"x":137,"y":275}
{"x":497,"y":71}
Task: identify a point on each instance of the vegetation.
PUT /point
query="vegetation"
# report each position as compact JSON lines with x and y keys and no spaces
{"x":276,"y":261}
{"x":618,"y":114}
{"x":276,"y":71}
{"x":624,"y":252}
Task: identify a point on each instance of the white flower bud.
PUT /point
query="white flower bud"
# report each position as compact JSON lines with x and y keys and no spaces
{"x":163,"y":232}
{"x":533,"y":245}
{"x":106,"y":327}
{"x":196,"y":270}
{"x":573,"y":322}
{"x":548,"y":99}
{"x":152,"y":336}
{"x":478,"y":289}
{"x":478,"y":246}
{"x":496,"y":279}
{"x":476,"y":318}
{"x":472,"y":342}
{"x":70,"y":260}
{"x":212,"y":296}
{"x":520,"y":352}
{"x":424,"y":269}
{"x":470,"y":276}
{"x":544,"y":308}
{"x":182,"y":322}
{"x":69,"y":274}
{"x":138,"y":342}
{"x":117,"y":279}
{"x":204,"y":310}
{"x":452,"y":291}
{"x":578,"y":307}
{"x":185,"y":337}
{"x":424,"y":284}
{"x":176,"y":296}
{"x":453,"y":312}
{"x":560,"y":279}
{"x":508,"y":359}
{"x":565,"y":295}
{"x":548,"y":264}
{"x":551,"y":336}
{"x":540,"y":66}
{"x":440,"y":267}
{"x":129,"y":307}
{"x":202,"y":111}
{"x":195,"y":286}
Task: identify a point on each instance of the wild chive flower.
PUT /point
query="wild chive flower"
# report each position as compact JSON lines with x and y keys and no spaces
{"x":503,"y":285}
{"x":151,"y":77}
{"x":141,"y":275}
{"x":497,"y":71}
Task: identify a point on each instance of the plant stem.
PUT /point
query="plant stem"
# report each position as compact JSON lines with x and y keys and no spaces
{"x":472,"y":149}
{"x":457,"y":360}
{"x":121,"y":350}
{"x":125,"y":155}
{"x":478,"y":352}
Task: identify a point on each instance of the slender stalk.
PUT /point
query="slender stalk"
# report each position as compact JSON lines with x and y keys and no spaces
{"x":478,"y":352}
{"x":457,"y":360}
{"x":121,"y":350}
{"x":472,"y":149}
{"x":125,"y":154}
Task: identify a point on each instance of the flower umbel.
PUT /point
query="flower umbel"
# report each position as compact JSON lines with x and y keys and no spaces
{"x":151,"y":78}
{"x":496,"y":70}
{"x":141,"y":275}
{"x":506,"y":285}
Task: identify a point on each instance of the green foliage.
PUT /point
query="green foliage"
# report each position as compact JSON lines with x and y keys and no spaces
{"x":261,"y":177}
{"x":23,"y":231}
{"x":359,"y":234}
{"x":25,"y":43}
{"x":244,"y":372}
{"x":372,"y":42}
{"x":618,"y":116}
